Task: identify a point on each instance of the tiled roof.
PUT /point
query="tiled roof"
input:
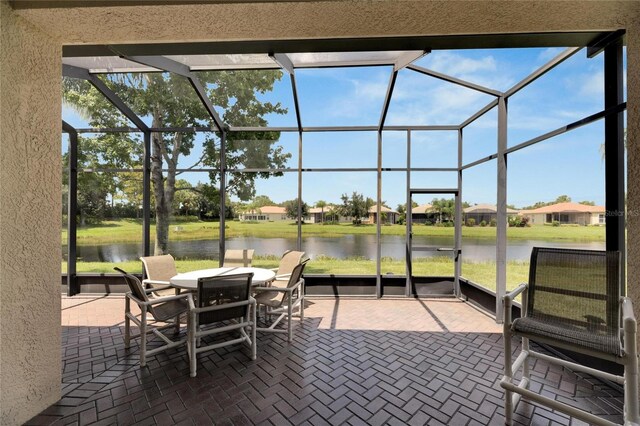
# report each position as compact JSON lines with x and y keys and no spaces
{"x":267,"y":210}
{"x":421,"y":209}
{"x":566,"y":208}
{"x":486,"y":208}
{"x":383,"y":209}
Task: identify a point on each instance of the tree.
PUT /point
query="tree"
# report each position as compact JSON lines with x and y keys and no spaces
{"x":333,"y":213}
{"x":170,"y":101}
{"x":186,"y":198}
{"x":321,"y":204}
{"x":260,"y":201}
{"x":355,"y":207}
{"x":402,"y":209}
{"x":130,"y":185}
{"x":93,"y":188}
{"x":559,"y":199}
{"x":588,"y":203}
{"x":444,"y":208}
{"x":291,"y":207}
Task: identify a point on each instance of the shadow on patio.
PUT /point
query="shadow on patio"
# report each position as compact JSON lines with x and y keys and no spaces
{"x":353,"y":361}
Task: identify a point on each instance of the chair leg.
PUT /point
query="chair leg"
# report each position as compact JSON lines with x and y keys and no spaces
{"x":192,"y":344}
{"x":525,"y":365}
{"x":254,"y":342}
{"x":143,"y":337}
{"x":289,"y":315}
{"x":301,"y":302}
{"x":127,"y":323}
{"x":631,"y":376}
{"x":508,"y":408}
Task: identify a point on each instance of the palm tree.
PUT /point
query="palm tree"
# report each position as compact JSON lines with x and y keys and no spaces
{"x":321,"y":204}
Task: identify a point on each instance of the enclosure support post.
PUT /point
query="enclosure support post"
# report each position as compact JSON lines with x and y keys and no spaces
{"x":614,"y":155}
{"x":501,"y":216}
{"x":223,"y":194}
{"x":383,"y":117}
{"x":299,"y":241}
{"x":407,"y":221}
{"x":146,"y":195}
{"x":458,"y":224}
{"x":72,"y":208}
{"x":378,"y":221}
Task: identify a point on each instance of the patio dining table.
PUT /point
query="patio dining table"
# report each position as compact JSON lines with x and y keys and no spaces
{"x":189,"y":280}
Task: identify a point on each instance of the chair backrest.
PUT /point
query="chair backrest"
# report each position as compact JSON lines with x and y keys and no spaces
{"x":160,"y":268}
{"x":295,"y":276}
{"x":135,"y":286}
{"x":289,"y":261}
{"x":219,"y":290}
{"x":578,"y":289}
{"x":238,"y":258}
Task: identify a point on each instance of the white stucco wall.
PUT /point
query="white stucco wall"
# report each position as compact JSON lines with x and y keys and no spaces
{"x":30,"y":205}
{"x":29,"y":143}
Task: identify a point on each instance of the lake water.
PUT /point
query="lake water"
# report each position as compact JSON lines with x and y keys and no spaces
{"x":474,"y":249}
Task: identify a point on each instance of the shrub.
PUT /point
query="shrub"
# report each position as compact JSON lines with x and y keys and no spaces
{"x":518,"y":221}
{"x":483,"y":223}
{"x":555,"y":223}
{"x":493,"y":223}
{"x":471,"y":222}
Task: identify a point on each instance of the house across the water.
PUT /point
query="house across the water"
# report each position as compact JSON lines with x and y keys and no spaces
{"x":265,"y":214}
{"x":565,"y":214}
{"x":484,"y":212}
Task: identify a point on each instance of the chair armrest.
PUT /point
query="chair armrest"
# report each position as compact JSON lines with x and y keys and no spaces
{"x":628,"y":318}
{"x":514,"y":293}
{"x":166,"y":299}
{"x":279,"y":289}
{"x":249,"y":301}
{"x":279,"y":277}
{"x":156,"y":282}
{"x":274,"y":269}
{"x":154,"y":289}
{"x":507,"y":300}
{"x":137,"y":301}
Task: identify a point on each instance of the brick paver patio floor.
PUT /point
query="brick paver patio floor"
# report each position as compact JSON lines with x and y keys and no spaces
{"x":351,"y":362}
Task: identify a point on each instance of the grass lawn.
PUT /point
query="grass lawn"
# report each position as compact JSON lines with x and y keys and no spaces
{"x":130,"y":230}
{"x":482,"y":273}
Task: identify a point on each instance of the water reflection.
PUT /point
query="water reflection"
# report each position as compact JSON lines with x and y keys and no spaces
{"x":477,"y":249}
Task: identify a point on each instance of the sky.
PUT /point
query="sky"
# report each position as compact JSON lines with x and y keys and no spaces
{"x":569,"y":164}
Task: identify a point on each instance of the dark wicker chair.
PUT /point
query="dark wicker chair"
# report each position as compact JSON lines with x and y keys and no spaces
{"x":222,"y":299}
{"x":281,"y":301}
{"x":166,"y":309}
{"x":572,"y":301}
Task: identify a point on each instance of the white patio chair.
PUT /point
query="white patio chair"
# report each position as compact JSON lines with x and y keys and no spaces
{"x":238,"y":258}
{"x":163,"y":309}
{"x":221,"y":299}
{"x":288,"y":261}
{"x":282,"y":301}
{"x":158,"y":271}
{"x":572,"y":301}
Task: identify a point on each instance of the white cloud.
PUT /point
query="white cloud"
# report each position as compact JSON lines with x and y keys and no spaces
{"x":548,"y":54}
{"x":370,"y":90}
{"x":458,"y":65}
{"x":592,"y":85}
